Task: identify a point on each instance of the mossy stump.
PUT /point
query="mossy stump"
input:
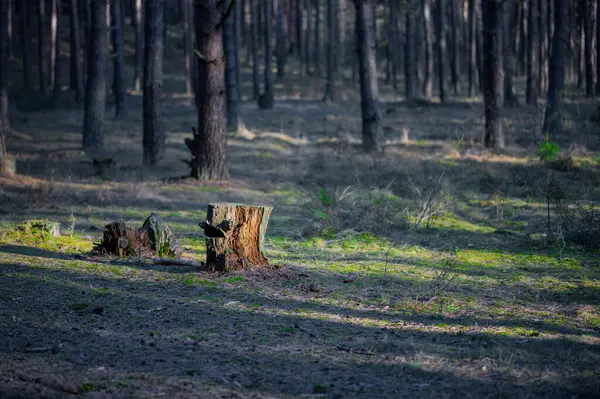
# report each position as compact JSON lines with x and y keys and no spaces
{"x":153,"y":238}
{"x":235,"y":235}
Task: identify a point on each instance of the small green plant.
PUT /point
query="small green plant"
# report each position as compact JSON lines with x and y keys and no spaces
{"x":547,"y":150}
{"x":597,"y":159}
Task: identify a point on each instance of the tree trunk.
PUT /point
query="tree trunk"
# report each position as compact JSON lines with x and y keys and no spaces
{"x":589,"y":64}
{"x":300,"y":31}
{"x":230,"y":73}
{"x":5,"y":163}
{"x":454,"y":45}
{"x":340,"y":50}
{"x":54,"y":43}
{"x":410,"y":67}
{"x":211,"y":142}
{"x":42,"y":47}
{"x":254,"y":40}
{"x":118,"y":23}
{"x":267,"y":99}
{"x":368,"y":76}
{"x":508,"y":32}
{"x":187,"y":44}
{"x":317,"y":39}
{"x":429,"y":58}
{"x":76,"y":75}
{"x":235,"y":236}
{"x":281,"y":40}
{"x":472,"y":21}
{"x":440,"y":47}
{"x":237,"y":30}
{"x":543,"y":46}
{"x":392,"y":44}
{"x":153,"y":238}
{"x":522,"y":10}
{"x":95,"y":92}
{"x":26,"y":40}
{"x":553,"y":115}
{"x":492,"y":68}
{"x":139,"y":47}
{"x":154,"y":123}
{"x":330,"y":93}
{"x":532,"y":52}
{"x":597,"y":47}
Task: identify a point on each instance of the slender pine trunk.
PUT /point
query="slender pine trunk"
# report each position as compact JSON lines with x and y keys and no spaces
{"x":118,"y":56}
{"x":492,"y":67}
{"x":532,"y":52}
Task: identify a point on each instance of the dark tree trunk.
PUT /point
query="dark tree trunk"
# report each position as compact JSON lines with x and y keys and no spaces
{"x":76,"y":75}
{"x":492,"y":69}
{"x":532,"y":52}
{"x":118,"y":23}
{"x":341,"y":56}
{"x":410,"y":67}
{"x":54,"y":43}
{"x":330,"y":94}
{"x":254,"y":40}
{"x":543,"y":46}
{"x":281,"y":40}
{"x":553,"y":116}
{"x":139,"y":47}
{"x":479,"y":43}
{"x":472,"y":21}
{"x":5,"y":168}
{"x":300,"y":31}
{"x":522,"y":10}
{"x":154,"y":123}
{"x":368,"y":76}
{"x":589,"y":64}
{"x":317,"y":39}
{"x":230,"y":74}
{"x":237,"y":30}
{"x":508,"y":32}
{"x":95,"y":91}
{"x":454,"y":45}
{"x":429,"y":57}
{"x":440,"y":47}
{"x":210,"y":148}
{"x":597,"y":47}
{"x":267,"y":99}
{"x":188,"y":23}
{"x":42,"y":34}
{"x":392,"y":46}
{"x":24,"y":33}
{"x":307,"y":36}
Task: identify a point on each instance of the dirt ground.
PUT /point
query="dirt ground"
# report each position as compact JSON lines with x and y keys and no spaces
{"x":477,"y":302}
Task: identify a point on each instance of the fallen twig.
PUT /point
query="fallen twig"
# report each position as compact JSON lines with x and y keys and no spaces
{"x":177,"y":262}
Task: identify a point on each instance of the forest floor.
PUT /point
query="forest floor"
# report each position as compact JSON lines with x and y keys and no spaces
{"x":478,"y":301}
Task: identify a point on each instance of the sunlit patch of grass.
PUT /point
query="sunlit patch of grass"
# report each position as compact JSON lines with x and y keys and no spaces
{"x":450,"y":221}
{"x":191,"y":279}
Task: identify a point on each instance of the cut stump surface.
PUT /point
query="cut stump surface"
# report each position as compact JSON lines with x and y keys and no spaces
{"x":235,"y":235}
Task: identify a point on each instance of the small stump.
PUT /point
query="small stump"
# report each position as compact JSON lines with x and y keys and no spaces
{"x":154,"y":238}
{"x":235,"y":235}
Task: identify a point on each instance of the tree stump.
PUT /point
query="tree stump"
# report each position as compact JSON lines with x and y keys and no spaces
{"x":235,"y":235}
{"x":154,"y":238}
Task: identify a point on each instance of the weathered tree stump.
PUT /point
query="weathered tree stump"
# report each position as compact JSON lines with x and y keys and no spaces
{"x":154,"y":238}
{"x":235,"y":235}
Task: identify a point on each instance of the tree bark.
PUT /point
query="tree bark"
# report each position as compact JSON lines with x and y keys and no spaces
{"x":440,"y":47}
{"x":330,"y":92}
{"x":235,"y":236}
{"x":254,"y":31}
{"x":589,"y":63}
{"x":118,"y":23}
{"x":5,"y":163}
{"x":237,"y":30}
{"x":95,"y":93}
{"x":300,"y":31}
{"x":472,"y":21}
{"x":24,"y":30}
{"x":42,"y":47}
{"x":267,"y":99}
{"x":410,"y":67}
{"x":139,"y":47}
{"x":492,"y":68}
{"x":368,"y":76}
{"x":54,"y":43}
{"x":508,"y":32}
{"x":76,"y":75}
{"x":230,"y":73}
{"x":553,"y":115}
{"x":153,"y":238}
{"x":154,"y":123}
{"x":597,"y":47}
{"x":317,"y":39}
{"x":455,"y":48}
{"x":532,"y":52}
{"x":281,"y":40}
{"x":211,"y":143}
{"x":187,"y":44}
{"x":429,"y":58}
